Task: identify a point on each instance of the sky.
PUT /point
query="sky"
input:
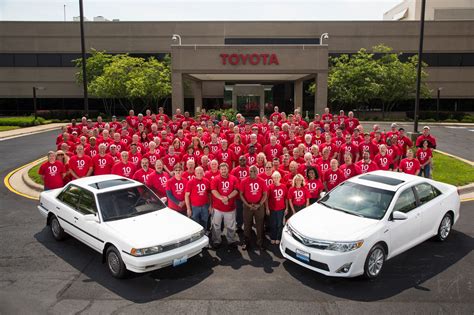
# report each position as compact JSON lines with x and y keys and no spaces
{"x":196,"y":10}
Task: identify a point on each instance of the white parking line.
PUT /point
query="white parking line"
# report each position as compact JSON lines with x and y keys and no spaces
{"x":455,"y":127}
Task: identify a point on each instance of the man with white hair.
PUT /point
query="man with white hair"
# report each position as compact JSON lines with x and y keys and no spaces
{"x":273,"y":149}
{"x":124,"y":168}
{"x":102,"y":162}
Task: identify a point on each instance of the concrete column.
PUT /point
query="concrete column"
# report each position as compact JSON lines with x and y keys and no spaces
{"x":321,"y":95}
{"x":298,"y":95}
{"x":262,"y":101}
{"x":197,"y":91}
{"x":234,"y":99}
{"x":177,"y":93}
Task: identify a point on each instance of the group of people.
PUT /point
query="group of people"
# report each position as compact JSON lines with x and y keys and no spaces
{"x":237,"y":173}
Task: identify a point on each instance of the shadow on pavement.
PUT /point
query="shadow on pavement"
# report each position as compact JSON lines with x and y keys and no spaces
{"x":138,"y":288}
{"x":408,"y":270}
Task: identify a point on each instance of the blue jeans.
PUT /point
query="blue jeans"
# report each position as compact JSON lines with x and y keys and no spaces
{"x":201,"y":215}
{"x":425,"y":171}
{"x":276,"y":224}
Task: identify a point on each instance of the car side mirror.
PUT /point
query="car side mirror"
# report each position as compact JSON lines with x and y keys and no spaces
{"x":91,"y":218}
{"x":322,"y":194}
{"x":397,"y":215}
{"x":164,"y":200}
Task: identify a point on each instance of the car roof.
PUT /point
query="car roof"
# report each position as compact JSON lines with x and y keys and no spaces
{"x":386,"y":180}
{"x":115,"y":182}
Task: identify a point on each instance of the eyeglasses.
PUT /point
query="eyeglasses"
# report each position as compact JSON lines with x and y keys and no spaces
{"x":268,"y":166}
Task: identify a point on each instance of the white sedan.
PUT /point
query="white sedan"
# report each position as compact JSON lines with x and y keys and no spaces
{"x":124,"y":221}
{"x":367,"y":220}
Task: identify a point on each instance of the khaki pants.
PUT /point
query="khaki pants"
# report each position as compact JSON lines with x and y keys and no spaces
{"x":259,"y":216}
{"x":230,"y":226}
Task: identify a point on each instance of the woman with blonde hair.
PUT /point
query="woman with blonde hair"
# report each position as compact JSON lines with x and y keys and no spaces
{"x":298,"y":194}
{"x":276,"y":207}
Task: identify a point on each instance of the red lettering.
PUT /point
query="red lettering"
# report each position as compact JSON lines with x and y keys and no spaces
{"x":273,"y":60}
{"x":265,"y":57}
{"x":234,"y":59}
{"x":224,"y":58}
{"x":244,"y":58}
{"x":254,"y":59}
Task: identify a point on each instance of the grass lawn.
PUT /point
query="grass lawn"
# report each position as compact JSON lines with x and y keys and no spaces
{"x":452,"y":171}
{"x":6,"y":128}
{"x":23,"y":121}
{"x":33,"y":173}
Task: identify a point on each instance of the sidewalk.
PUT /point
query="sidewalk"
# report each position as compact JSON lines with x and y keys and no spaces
{"x":5,"y":135}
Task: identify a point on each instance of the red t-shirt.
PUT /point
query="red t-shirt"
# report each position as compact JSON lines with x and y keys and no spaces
{"x":298,"y":196}
{"x":350,"y":171}
{"x":367,"y":167}
{"x":266,"y":178}
{"x":153,"y":157}
{"x":135,"y":158}
{"x":333,"y":178}
{"x":125,"y":170}
{"x":410,"y":166}
{"x":277,"y":197}
{"x":225,"y":156}
{"x":253,"y":189}
{"x":141,"y":175}
{"x":102,"y":164}
{"x":424,"y":156}
{"x":210,"y":175}
{"x":177,"y":188}
{"x":53,"y":174}
{"x":157,"y":182}
{"x":383,"y":162}
{"x":225,"y":186}
{"x":240,"y":172}
{"x":272,"y":151}
{"x":199,"y":190}
{"x":170,"y":161}
{"x":314,"y":186}
{"x":80,"y":165}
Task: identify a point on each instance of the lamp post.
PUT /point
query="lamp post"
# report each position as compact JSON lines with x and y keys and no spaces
{"x":176,"y":37}
{"x":34,"y":99}
{"x":83,"y":51}
{"x":437,"y":103}
{"x":420,"y":60}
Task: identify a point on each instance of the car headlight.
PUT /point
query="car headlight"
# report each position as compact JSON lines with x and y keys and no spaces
{"x":197,"y":235}
{"x":138,"y":252}
{"x":345,"y":246}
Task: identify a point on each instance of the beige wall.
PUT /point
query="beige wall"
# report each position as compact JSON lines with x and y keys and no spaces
{"x":434,"y":10}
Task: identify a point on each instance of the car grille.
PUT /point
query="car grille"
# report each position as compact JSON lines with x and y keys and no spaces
{"x":312,"y":263}
{"x":182,"y":243}
{"x":308,"y":242}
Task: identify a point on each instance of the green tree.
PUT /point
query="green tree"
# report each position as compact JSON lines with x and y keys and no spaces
{"x":95,"y":65}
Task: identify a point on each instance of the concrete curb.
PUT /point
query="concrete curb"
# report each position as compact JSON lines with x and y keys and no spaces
{"x":28,"y":181}
{"x":5,"y":135}
{"x":455,"y":157}
{"x":463,"y":190}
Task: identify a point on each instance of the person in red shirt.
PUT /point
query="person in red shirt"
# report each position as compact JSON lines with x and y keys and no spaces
{"x":241,"y":172}
{"x":102,"y":162}
{"x":142,"y":174}
{"x":224,"y":189}
{"x":80,"y":165}
{"x":334,"y":176}
{"x":225,"y":155}
{"x":327,"y":116}
{"x":157,"y":180}
{"x":366,"y":165}
{"x":213,"y":170}
{"x":298,"y":195}
{"x":190,"y":170}
{"x":52,"y":172}
{"x":273,"y":149}
{"x":404,"y":142}
{"x":368,"y":145}
{"x":424,"y":156}
{"x":267,"y":174}
{"x":170,"y":159}
{"x":349,"y":169}
{"x":198,"y":198}
{"x":253,"y":192}
{"x":426,"y":136}
{"x":313,"y":184}
{"x":124,"y":167}
{"x":175,"y":190}
{"x":383,"y":160}
{"x":348,"y":147}
{"x":410,"y":165}
{"x":276,"y":207}
{"x":324,"y":161}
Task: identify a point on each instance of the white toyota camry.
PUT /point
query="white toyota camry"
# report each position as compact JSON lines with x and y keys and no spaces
{"x":368,"y":219}
{"x":124,"y":221}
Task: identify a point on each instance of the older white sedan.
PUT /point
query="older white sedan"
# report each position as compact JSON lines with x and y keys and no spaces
{"x":368,"y":219}
{"x":124,"y":221}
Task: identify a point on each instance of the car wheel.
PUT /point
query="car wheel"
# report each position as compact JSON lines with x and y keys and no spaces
{"x":444,"y":227}
{"x":56,"y":229}
{"x":115,"y":263}
{"x":374,"y":262}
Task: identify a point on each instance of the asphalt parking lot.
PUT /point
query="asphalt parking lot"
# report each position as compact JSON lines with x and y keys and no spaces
{"x":40,"y":275}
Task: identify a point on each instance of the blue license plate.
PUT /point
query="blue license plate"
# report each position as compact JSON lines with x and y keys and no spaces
{"x":180,"y":261}
{"x":302,"y":255}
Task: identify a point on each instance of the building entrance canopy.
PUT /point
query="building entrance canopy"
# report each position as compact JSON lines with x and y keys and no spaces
{"x":247,"y":63}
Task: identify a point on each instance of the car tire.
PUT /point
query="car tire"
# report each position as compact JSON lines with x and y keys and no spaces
{"x":444,"y":228}
{"x":374,"y":262}
{"x":56,"y":229}
{"x":115,"y":263}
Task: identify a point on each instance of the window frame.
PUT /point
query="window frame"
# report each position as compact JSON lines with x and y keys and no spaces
{"x":417,"y":204}
{"x":436,"y":192}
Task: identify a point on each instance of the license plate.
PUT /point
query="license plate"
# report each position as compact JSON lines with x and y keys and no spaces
{"x":180,"y":261}
{"x":303,"y":256}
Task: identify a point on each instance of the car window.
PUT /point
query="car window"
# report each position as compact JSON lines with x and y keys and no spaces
{"x":426,"y":192}
{"x":87,"y":203}
{"x":406,"y":201}
{"x":71,"y":196}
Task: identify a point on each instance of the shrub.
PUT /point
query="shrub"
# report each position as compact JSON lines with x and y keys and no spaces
{"x":21,"y":121}
{"x":229,"y":113}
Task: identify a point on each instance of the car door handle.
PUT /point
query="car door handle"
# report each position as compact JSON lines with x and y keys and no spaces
{"x":76,"y":218}
{"x":58,"y":208}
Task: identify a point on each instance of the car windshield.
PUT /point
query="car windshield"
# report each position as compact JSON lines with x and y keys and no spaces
{"x":359,"y":200}
{"x":128,"y":202}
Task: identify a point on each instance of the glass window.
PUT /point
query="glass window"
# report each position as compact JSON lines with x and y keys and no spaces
{"x":426,"y":192}
{"x":70,"y":196}
{"x":26,"y":60}
{"x":49,"y":60}
{"x":406,"y":201}
{"x":6,"y":60}
{"x":87,"y":204}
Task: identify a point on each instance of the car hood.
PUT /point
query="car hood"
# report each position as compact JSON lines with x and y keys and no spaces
{"x":156,"y":228}
{"x":321,"y":223}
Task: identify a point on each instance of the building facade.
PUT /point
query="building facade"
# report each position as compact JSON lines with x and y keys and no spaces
{"x":250,"y":66}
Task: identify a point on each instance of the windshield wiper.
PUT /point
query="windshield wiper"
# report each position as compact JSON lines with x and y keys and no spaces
{"x":338,"y":209}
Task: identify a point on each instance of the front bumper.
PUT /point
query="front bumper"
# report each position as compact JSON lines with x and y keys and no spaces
{"x":161,"y":260}
{"x":327,"y":262}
